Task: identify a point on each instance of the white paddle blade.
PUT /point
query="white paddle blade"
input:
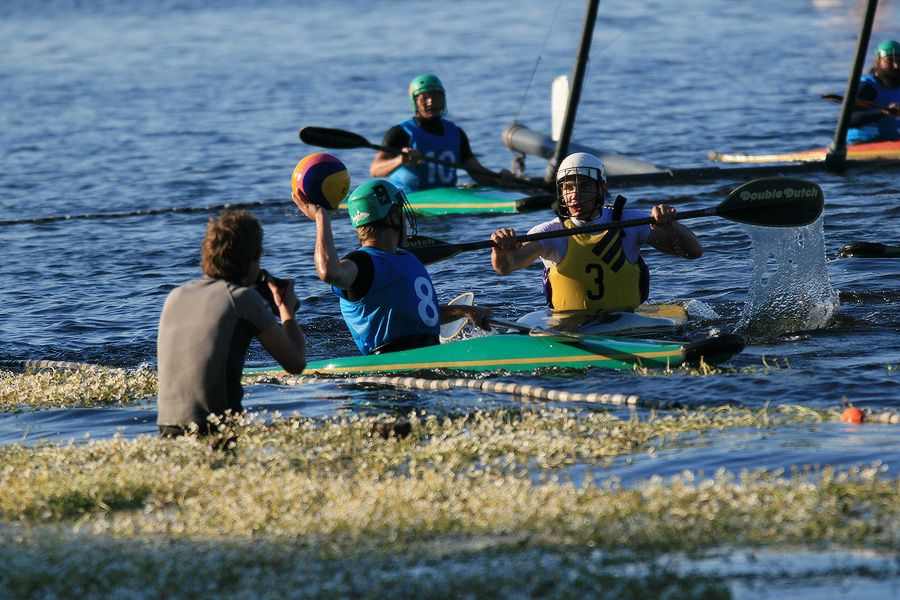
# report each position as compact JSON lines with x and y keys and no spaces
{"x":454,"y":328}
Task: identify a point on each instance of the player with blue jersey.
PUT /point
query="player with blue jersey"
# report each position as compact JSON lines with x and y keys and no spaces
{"x":880,"y":87}
{"x":387,"y":298}
{"x":428,"y":134}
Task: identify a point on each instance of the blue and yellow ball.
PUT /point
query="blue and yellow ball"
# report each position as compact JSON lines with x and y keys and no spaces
{"x":323,"y":179}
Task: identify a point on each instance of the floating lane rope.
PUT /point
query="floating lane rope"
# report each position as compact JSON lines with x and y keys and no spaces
{"x":883,"y":417}
{"x":58,"y":364}
{"x":138,"y":213}
{"x":418,"y":383}
{"x":500,"y":387}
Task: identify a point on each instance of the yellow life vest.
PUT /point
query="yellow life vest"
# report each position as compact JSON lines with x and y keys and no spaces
{"x":596,"y":275}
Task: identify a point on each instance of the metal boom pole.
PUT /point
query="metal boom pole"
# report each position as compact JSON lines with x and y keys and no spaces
{"x":584,"y":50}
{"x":837,"y":149}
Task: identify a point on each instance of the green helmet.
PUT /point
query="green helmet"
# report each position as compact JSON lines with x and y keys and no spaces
{"x":372,"y":201}
{"x":887,"y":48}
{"x":423,"y":83}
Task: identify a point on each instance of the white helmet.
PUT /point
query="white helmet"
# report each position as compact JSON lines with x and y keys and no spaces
{"x":575,"y":165}
{"x":581,"y":163}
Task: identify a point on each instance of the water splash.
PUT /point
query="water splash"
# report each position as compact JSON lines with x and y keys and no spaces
{"x":698,"y":310}
{"x":790,"y":289}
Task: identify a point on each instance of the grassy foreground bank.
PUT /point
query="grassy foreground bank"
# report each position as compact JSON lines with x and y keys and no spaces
{"x":497,"y":504}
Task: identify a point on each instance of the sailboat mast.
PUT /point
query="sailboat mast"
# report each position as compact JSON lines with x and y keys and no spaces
{"x":584,"y":50}
{"x":837,"y":149}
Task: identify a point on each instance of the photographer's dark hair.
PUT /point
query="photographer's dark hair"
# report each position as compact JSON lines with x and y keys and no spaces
{"x":233,"y":242}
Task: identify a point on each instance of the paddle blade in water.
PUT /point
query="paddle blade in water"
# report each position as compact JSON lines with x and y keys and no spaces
{"x":332,"y":138}
{"x":774,"y":202}
{"x":454,"y":328}
{"x":713,"y":349}
{"x":868,"y":250}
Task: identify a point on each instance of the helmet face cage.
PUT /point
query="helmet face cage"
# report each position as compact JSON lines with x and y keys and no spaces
{"x":411,"y":222}
{"x":396,"y":197}
{"x":426,"y":83}
{"x":584,"y":182}
{"x":416,"y":107}
{"x":888,"y":48}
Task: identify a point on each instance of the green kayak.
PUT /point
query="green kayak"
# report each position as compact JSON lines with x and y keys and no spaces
{"x":527,"y":352}
{"x":475,"y":199}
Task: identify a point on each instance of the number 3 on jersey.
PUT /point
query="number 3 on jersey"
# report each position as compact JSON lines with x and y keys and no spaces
{"x":594,"y":293}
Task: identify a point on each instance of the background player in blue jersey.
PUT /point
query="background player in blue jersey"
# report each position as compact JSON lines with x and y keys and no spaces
{"x":428,"y":134}
{"x":882,"y":87}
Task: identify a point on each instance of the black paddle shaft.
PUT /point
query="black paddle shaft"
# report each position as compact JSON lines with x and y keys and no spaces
{"x":766,"y":202}
{"x":861,"y":103}
{"x":769,"y":202}
{"x":544,"y":235}
{"x":340,"y":139}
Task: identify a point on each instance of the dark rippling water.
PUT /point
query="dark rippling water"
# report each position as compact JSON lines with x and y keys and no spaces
{"x":123,"y":107}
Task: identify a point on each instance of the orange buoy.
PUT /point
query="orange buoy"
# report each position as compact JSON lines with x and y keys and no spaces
{"x":853,"y":415}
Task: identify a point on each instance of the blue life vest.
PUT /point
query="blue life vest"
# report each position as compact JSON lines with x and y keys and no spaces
{"x":885,"y":128}
{"x":428,"y":175}
{"x":401,"y":302}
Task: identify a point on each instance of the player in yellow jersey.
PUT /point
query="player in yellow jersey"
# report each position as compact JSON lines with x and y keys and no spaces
{"x":602,"y":271}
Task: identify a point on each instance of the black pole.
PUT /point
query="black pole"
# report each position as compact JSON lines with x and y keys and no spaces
{"x":837,"y":149}
{"x":584,"y":50}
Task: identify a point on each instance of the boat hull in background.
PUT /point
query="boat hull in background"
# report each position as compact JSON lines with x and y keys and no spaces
{"x":874,"y":151}
{"x":464,"y":200}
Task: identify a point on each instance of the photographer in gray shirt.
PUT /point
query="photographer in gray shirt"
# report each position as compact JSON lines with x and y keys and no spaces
{"x":207,"y":325}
